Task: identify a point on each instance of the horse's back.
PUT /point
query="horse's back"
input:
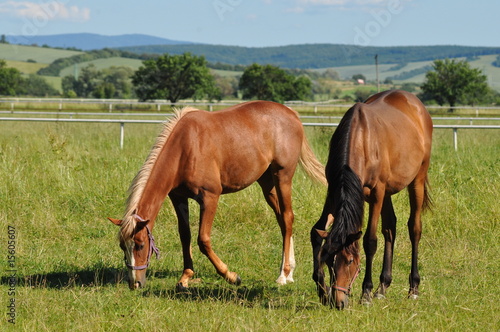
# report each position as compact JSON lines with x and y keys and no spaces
{"x":391,"y":134}
{"x":401,"y":103}
{"x":237,"y":145}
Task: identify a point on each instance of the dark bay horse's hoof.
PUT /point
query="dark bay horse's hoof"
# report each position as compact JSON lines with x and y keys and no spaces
{"x":366,"y":299}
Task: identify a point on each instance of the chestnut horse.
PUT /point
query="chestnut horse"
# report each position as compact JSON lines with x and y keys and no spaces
{"x":202,"y":155}
{"x":379,"y":148}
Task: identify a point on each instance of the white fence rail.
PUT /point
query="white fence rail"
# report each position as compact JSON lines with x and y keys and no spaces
{"x":122,"y":123}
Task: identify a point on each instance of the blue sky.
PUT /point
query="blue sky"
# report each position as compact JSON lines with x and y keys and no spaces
{"x":259,"y":23}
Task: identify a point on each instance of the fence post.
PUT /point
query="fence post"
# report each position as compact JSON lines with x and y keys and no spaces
{"x":122,"y":133}
{"x":455,"y":138}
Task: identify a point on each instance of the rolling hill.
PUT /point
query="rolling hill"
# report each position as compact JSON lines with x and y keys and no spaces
{"x":310,"y":56}
{"x":91,"y":41}
{"x":401,"y":64}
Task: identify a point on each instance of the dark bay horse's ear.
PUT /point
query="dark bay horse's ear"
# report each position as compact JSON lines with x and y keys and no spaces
{"x":323,"y":234}
{"x":117,"y":222}
{"x":353,"y":237}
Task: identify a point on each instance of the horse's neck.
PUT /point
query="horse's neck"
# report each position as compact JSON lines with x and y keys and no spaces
{"x":158,"y":186}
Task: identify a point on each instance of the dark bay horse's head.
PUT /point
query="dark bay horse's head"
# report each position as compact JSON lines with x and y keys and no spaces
{"x":343,"y":261}
{"x":137,"y":245}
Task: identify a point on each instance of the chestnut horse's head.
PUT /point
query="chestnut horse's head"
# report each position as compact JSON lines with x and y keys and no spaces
{"x":137,"y":243}
{"x":343,"y":262}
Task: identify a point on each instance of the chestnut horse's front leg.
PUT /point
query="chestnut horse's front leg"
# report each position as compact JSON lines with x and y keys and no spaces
{"x":208,"y":206}
{"x":182,"y":210}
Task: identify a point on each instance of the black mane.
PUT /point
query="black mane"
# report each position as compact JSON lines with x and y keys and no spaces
{"x":345,"y":193}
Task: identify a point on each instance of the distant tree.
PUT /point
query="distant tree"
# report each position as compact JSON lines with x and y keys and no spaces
{"x":3,"y":40}
{"x":10,"y":80}
{"x":272,"y":83}
{"x":227,"y":85}
{"x":37,"y":86}
{"x":174,"y":77}
{"x":113,"y":82}
{"x":331,"y":74}
{"x":454,"y":82}
{"x":362,"y":94}
{"x":496,"y":63}
{"x":119,"y":78}
{"x":357,"y":77}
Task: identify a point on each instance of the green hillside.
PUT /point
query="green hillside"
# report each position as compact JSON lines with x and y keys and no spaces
{"x":39,"y":54}
{"x":318,"y":55}
{"x":400,"y":64}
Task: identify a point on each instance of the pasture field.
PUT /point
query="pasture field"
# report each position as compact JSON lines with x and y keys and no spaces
{"x":59,"y":182}
{"x":39,"y":54}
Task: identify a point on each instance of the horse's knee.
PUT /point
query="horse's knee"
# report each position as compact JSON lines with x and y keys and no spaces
{"x":204,"y":245}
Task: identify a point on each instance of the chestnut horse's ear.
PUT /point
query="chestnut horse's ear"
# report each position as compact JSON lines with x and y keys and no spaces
{"x":140,"y":221}
{"x":117,"y":222}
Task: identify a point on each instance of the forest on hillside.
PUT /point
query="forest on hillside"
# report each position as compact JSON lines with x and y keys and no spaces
{"x":313,"y":56}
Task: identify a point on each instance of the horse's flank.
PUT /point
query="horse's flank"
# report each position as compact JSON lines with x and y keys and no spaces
{"x":137,"y":186}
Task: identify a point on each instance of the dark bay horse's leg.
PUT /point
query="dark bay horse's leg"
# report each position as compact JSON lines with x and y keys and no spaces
{"x":208,"y":206}
{"x":182,"y":210}
{"x":416,"y":192}
{"x":376,"y":200}
{"x":389,"y":232}
{"x":278,"y":201}
{"x":318,"y":234}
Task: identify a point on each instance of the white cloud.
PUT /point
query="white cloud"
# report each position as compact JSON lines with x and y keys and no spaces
{"x":46,"y":11}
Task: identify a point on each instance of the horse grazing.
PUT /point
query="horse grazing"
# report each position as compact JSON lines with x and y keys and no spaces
{"x":202,"y":155}
{"x":380,"y":147}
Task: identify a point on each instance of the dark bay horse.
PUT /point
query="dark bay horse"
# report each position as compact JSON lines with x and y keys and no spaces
{"x":380,"y":147}
{"x":202,"y":155}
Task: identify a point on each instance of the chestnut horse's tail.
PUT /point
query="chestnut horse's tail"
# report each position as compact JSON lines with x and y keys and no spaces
{"x":311,"y":165}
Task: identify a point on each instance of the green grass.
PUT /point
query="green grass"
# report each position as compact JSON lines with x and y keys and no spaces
{"x":39,"y":54}
{"x":60,"y":181}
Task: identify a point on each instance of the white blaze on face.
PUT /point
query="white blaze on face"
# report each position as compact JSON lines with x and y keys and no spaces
{"x":129,"y":256}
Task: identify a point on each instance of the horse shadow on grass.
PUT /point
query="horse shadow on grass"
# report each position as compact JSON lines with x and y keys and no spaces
{"x":91,"y":277}
{"x":249,"y":295}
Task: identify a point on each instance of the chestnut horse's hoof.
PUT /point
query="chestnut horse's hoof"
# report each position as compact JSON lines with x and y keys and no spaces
{"x":412,"y":296}
{"x":180,"y":288}
{"x":238,"y":281}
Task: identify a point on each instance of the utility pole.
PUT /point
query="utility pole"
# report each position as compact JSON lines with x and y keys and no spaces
{"x":376,"y":70}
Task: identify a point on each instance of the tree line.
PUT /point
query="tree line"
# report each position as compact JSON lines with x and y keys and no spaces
{"x":187,"y":76}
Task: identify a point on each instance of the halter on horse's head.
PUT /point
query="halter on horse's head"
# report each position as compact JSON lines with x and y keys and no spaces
{"x":138,"y":249}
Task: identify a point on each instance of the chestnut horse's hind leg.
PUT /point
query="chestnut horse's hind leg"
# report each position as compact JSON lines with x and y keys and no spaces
{"x":208,"y":206}
{"x":281,"y":203}
{"x":389,"y":231}
{"x":182,"y":210}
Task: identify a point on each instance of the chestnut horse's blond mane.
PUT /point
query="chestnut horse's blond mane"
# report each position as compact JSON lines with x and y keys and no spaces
{"x":136,"y":189}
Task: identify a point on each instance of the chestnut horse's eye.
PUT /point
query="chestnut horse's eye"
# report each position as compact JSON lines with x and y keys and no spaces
{"x":139,"y":246}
